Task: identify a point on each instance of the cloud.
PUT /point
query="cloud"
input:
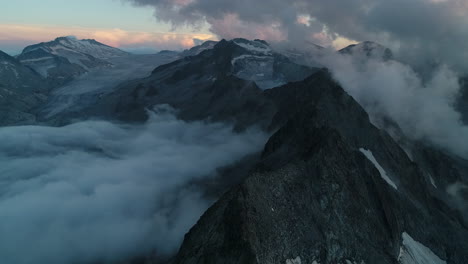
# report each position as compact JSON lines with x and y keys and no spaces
{"x":424,"y":110}
{"x":23,"y":35}
{"x":419,"y":31}
{"x":428,"y":35}
{"x":97,"y":191}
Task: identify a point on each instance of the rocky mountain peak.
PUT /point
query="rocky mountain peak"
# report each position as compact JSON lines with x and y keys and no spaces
{"x":368,"y":49}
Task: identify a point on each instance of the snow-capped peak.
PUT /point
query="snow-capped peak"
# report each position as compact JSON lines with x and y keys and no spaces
{"x":65,"y":58}
{"x":72,"y":44}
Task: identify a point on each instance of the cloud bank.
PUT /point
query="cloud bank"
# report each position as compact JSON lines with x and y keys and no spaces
{"x":97,"y":191}
{"x":420,"y":31}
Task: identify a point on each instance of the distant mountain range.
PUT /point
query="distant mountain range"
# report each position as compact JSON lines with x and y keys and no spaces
{"x":328,"y":187}
{"x":42,"y":69}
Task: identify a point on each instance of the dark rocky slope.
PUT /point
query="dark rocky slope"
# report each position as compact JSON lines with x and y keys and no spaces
{"x":314,"y":196}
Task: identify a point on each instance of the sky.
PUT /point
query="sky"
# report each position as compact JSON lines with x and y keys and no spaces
{"x":422,"y":32}
{"x":113,"y":22}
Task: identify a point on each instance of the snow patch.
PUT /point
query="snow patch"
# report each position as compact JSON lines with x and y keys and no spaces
{"x":294,"y":261}
{"x":413,"y":252}
{"x":260,"y":48}
{"x":383,"y":173}
{"x":241,"y":57}
{"x":432,"y":181}
{"x":36,"y":60}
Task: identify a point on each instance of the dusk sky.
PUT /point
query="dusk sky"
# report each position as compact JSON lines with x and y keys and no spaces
{"x":414,"y":30}
{"x":113,"y":22}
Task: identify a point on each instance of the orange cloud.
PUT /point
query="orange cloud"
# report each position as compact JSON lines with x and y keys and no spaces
{"x":29,"y":34}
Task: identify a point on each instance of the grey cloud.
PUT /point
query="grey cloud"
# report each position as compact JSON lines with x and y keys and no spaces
{"x":423,"y":109}
{"x":419,"y":31}
{"x":98,"y":191}
{"x":429,"y":35}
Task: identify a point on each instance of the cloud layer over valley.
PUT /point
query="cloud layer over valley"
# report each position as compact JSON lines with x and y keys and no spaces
{"x":99,"y":191}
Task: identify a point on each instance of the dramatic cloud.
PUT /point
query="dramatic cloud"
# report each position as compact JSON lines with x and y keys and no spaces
{"x":419,"y":31}
{"x":424,"y":110}
{"x":23,"y":35}
{"x":96,"y":191}
{"x":429,"y":35}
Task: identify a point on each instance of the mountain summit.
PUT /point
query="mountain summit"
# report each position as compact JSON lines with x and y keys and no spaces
{"x":91,"y":47}
{"x":66,"y":58}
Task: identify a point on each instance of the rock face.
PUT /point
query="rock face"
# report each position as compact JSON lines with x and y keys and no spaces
{"x":21,"y":89}
{"x":314,"y":197}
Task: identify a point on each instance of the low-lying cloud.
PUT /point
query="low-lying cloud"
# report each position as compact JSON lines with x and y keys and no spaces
{"x":98,"y":191}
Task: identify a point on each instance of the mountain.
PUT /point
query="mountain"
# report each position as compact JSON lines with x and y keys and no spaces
{"x":70,"y":46}
{"x":368,"y":49}
{"x":66,"y":58}
{"x":329,"y":188}
{"x":313,"y":55}
{"x":257,"y":61}
{"x":20,"y":90}
{"x":224,"y":80}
